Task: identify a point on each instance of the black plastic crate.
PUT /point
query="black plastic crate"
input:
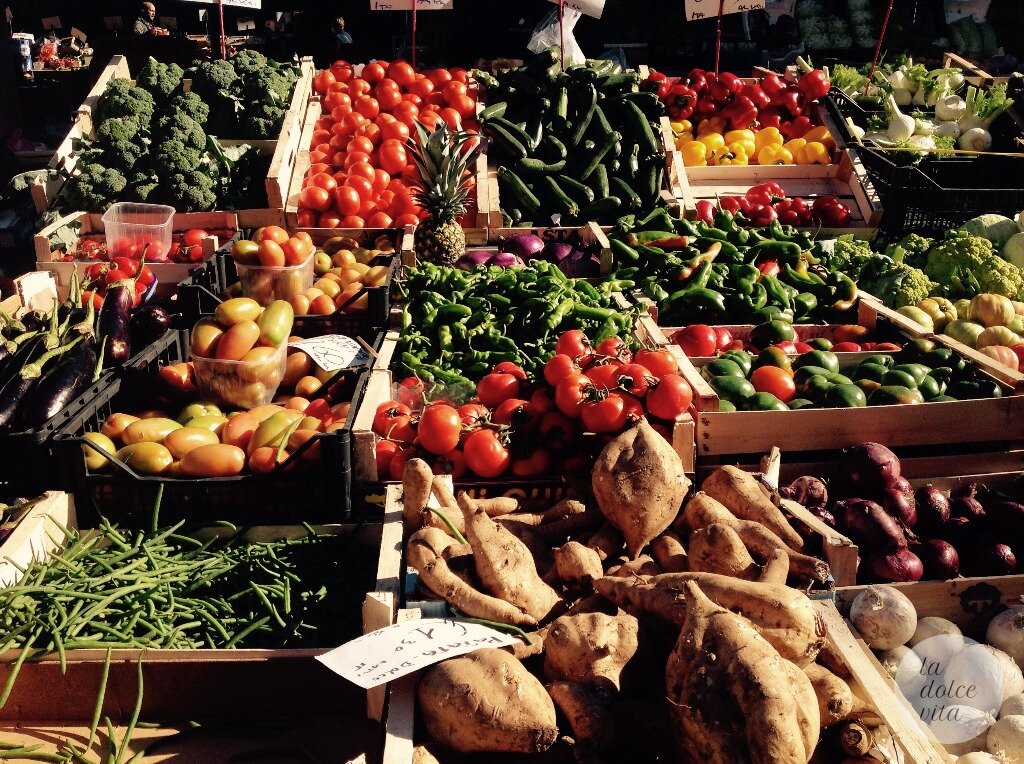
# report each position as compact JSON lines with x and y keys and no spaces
{"x":301,"y":491}
{"x":26,"y":466}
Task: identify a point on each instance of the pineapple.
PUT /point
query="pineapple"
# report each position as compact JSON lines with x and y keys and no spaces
{"x":441,"y":190}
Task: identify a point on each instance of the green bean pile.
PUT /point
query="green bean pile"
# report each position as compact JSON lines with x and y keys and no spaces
{"x":165,"y":590}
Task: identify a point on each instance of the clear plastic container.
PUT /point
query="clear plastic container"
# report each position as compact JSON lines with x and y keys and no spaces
{"x":265,"y":283}
{"x":141,"y":225}
{"x":243,"y":384}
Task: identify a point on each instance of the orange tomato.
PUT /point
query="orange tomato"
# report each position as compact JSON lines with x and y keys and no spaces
{"x":346,"y":200}
{"x":401,"y":72}
{"x":178,"y":376}
{"x":237,"y":341}
{"x":315,"y":198}
{"x":328,"y":219}
{"x":238,"y":430}
{"x":379,"y":220}
{"x":321,"y":306}
{"x":265,"y":459}
{"x":271,"y":253}
{"x":304,"y":236}
{"x":297,"y":251}
{"x":307,"y":218}
{"x":323,"y":80}
{"x":374,"y":72}
{"x":405,"y":219}
{"x":352,"y":221}
{"x":272,"y":233}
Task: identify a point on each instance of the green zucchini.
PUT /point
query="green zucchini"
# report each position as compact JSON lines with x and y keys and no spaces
{"x":536,"y":134}
{"x":638,"y":128}
{"x":522,"y":196}
{"x":506,"y":140}
{"x":614,"y":84}
{"x":599,"y":153}
{"x":631,"y":162}
{"x":539,"y":166}
{"x":517,"y":132}
{"x":578,"y":192}
{"x":602,"y":209}
{"x":551,"y":146}
{"x":558,"y":198}
{"x":600,"y":124}
{"x":560,"y":118}
{"x":648,"y":182}
{"x":494,"y":110}
{"x":629,"y":197}
{"x":599,"y":182}
{"x":583,"y":117}
{"x":648,"y":103}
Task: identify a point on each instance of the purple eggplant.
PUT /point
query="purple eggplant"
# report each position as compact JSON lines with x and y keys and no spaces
{"x":114,"y":323}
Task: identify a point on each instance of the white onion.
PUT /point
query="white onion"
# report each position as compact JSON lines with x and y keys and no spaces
{"x":884,"y":616}
{"x":1006,"y":631}
{"x":1006,"y":738}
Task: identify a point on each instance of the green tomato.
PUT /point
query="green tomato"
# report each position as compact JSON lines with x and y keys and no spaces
{"x":966,"y":332}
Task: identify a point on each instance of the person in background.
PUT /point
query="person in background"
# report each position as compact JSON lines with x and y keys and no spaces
{"x":144,"y":23}
{"x":341,"y":39}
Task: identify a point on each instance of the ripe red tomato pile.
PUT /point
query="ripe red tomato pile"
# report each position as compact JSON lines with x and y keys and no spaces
{"x":99,"y":276}
{"x":186,"y":247}
{"x":360,"y":170}
{"x":521,"y":428}
{"x":703,"y":341}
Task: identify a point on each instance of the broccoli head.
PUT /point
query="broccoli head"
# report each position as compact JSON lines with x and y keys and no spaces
{"x":178,"y":126}
{"x":261,"y":121}
{"x":267,"y":86}
{"x":847,"y":254}
{"x":911,"y":249}
{"x":174,"y":157}
{"x":141,"y":187}
{"x":161,"y":80}
{"x":123,"y":155}
{"x":897,"y":284}
{"x":212,"y":80}
{"x":117,"y":129}
{"x":93,"y":189}
{"x":189,"y":191}
{"x":122,"y":99}
{"x":247,"y":61}
{"x":966,"y":265}
{"x":192,"y":105}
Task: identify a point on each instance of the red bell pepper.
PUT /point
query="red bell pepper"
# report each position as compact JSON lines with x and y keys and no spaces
{"x":814,"y":85}
{"x":718,"y":90}
{"x":656,"y":83}
{"x":760,"y":215}
{"x":741,"y":113}
{"x":797,"y":127}
{"x":758,"y":97}
{"x":730,"y":203}
{"x":772,"y":84}
{"x":681,"y":101}
{"x":828,"y":211}
{"x":697,"y":79}
{"x":794,"y":212}
{"x":731,"y":81}
{"x":705,"y":108}
{"x":771,"y":190}
{"x":706,"y":211}
{"x":790,"y":100}
{"x":770,"y":117}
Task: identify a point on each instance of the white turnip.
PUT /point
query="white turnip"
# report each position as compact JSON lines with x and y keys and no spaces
{"x":884,"y":616}
{"x":1006,"y":738}
{"x":1006,"y":632}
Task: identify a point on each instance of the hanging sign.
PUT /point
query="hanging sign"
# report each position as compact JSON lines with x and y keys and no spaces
{"x":406,"y":5}
{"x":587,"y":7}
{"x":708,"y":9}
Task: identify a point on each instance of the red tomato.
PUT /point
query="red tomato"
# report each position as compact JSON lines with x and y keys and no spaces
{"x":453,"y":463}
{"x":390,"y":414}
{"x":634,"y":408}
{"x":557,"y":430}
{"x":393,"y":156}
{"x":697,"y":340}
{"x":388,"y":95}
{"x":439,"y":428}
{"x":486,"y":455}
{"x":194,"y":237}
{"x":571,"y":393}
{"x":496,"y":388}
{"x":401,"y":72}
{"x":559,"y":367}
{"x":515,"y":412}
{"x":346,"y":200}
{"x":395,"y":130}
{"x":315,"y":198}
{"x":507,"y":367}
{"x":379,"y":219}
{"x":723,"y":337}
{"x":411,"y":391}
{"x":326,"y":219}
{"x":421,"y":86}
{"x":772,"y":379}
{"x":373,"y":72}
{"x":604,"y":415}
{"x":474,"y":414}
{"x":659,"y":362}
{"x":439,"y":77}
{"x":464,"y":105}
{"x":384,"y":451}
{"x":604,"y":375}
{"x":846,"y":347}
{"x":454,"y":89}
{"x":361,"y":185}
{"x":670,"y":398}
{"x":543,"y":400}
{"x":342,"y":71}
{"x":397,"y":465}
{"x":537,"y":463}
{"x":352,"y":221}
{"x":615,"y":348}
{"x":575,"y":344}
{"x":635,"y":379}
{"x":323,"y":81}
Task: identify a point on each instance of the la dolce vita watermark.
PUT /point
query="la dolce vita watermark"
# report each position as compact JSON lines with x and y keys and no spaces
{"x":954,"y":684}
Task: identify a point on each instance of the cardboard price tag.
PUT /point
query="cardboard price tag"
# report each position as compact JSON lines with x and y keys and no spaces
{"x":708,"y":9}
{"x":406,"y":5}
{"x":396,"y":651}
{"x":587,"y":7}
{"x":332,"y":351}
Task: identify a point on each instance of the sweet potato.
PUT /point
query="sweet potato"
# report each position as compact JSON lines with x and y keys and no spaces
{"x":775,"y":569}
{"x":587,"y":712}
{"x":486,"y":701}
{"x":641,"y":566}
{"x":741,"y":494}
{"x":785,"y":617}
{"x":577,"y":565}
{"x":669,"y":553}
{"x":523,"y":650}
{"x":717,"y":548}
{"x":505,"y":565}
{"x":607,"y":541}
{"x":435,"y":518}
{"x":734,"y":699}
{"x":417,"y":479}
{"x":590,"y":648}
{"x":562,"y":510}
{"x":835,"y":699}
{"x":702,"y":510}
{"x":420,"y":755}
{"x":425,"y":553}
{"x":639,"y":484}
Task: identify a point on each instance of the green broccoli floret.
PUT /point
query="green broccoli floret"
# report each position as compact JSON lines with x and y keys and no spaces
{"x":161,"y":80}
{"x":118,"y":129}
{"x":969,"y":252}
{"x":178,"y":126}
{"x":122,"y":99}
{"x":847,"y":254}
{"x":912,"y":249}
{"x":261,"y":121}
{"x":192,"y":105}
{"x":92,"y":189}
{"x":1002,"y":277}
{"x":141,"y":187}
{"x":266,"y":85}
{"x":189,"y":192}
{"x":173,"y":157}
{"x":122,"y":155}
{"x":212,"y":80}
{"x":897,"y":284}
{"x":247,"y":61}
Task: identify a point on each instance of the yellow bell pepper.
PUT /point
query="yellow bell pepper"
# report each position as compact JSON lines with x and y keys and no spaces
{"x":743,"y":137}
{"x":713,"y":125}
{"x":733,"y":155}
{"x":695,"y":154}
{"x":682,"y":127}
{"x":795,"y":145}
{"x":712,"y":140}
{"x":820,"y":134}
{"x":812,"y":153}
{"x":774,"y":154}
{"x":769,"y":136}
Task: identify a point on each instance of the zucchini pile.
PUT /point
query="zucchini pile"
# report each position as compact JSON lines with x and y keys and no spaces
{"x":581,"y":144}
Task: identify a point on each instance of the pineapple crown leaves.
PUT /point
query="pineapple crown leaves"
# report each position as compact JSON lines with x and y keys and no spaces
{"x":441,"y":160}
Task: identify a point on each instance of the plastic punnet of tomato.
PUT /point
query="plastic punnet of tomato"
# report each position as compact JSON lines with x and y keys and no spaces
{"x":101,"y":275}
{"x":360,"y":168}
{"x":512,"y":426}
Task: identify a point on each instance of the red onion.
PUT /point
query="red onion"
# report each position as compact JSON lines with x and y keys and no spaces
{"x":966,"y":506}
{"x":893,"y":567}
{"x":557,"y":251}
{"x":504,"y":260}
{"x":807,"y":490}
{"x":824,"y":515}
{"x":524,"y":245}
{"x":991,"y":560}
{"x":940,"y":559}
{"x":932,"y":508}
{"x":900,"y":504}
{"x":869,"y":524}
{"x":958,"y":531}
{"x":866,"y":470}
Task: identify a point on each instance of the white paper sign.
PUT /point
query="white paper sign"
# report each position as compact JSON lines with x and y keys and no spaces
{"x":406,"y":5}
{"x":587,"y":7}
{"x":708,"y":9}
{"x":332,"y":351}
{"x":396,"y":651}
{"x":257,"y":4}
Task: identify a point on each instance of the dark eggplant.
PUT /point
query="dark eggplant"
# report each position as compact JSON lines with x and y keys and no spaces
{"x":148,"y":324}
{"x":49,"y":397}
{"x":12,"y":396}
{"x":114,"y":322}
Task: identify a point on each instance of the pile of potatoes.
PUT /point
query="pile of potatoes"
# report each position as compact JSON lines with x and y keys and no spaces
{"x":653,"y":631}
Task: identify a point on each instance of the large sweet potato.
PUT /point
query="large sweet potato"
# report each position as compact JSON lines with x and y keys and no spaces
{"x":590,"y":648}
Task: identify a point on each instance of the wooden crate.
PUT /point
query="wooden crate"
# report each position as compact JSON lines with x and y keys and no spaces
{"x":867,"y":684}
{"x":973,"y":73}
{"x":808,"y":181}
{"x":168,"y":274}
{"x":220,"y":680}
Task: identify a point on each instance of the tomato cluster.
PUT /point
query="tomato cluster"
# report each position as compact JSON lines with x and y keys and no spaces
{"x":100,"y":276}
{"x":703,"y":341}
{"x":186,"y":247}
{"x":360,"y":170}
{"x":527,"y":429}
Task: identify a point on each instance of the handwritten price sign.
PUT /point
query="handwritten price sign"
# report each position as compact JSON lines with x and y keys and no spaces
{"x":708,"y":9}
{"x":396,"y":651}
{"x":332,"y":351}
{"x":406,"y":5}
{"x":587,"y":7}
